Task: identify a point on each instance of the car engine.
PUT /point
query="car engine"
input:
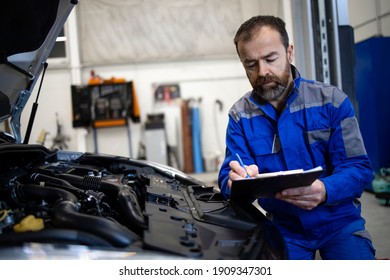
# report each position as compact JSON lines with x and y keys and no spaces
{"x":117,"y":204}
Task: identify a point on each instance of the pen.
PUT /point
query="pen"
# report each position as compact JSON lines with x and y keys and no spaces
{"x":242,"y":164}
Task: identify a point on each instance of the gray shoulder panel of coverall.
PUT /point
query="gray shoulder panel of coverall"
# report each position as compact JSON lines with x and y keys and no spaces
{"x":316,"y":94}
{"x":244,"y":108}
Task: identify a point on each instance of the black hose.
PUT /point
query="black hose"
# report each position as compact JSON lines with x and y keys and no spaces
{"x":38,"y":177}
{"x":92,"y":183}
{"x":129,"y":204}
{"x":127,"y":198}
{"x":25,"y":192}
{"x":66,"y":215}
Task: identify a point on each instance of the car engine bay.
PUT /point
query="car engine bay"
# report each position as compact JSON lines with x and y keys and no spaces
{"x":118,"y":204}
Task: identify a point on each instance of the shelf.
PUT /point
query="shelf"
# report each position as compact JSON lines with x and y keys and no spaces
{"x":109,"y":123}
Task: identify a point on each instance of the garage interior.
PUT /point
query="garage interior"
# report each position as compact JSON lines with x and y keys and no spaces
{"x":158,"y":66}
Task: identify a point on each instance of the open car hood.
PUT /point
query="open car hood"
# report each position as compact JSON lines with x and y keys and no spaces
{"x":28,"y":31}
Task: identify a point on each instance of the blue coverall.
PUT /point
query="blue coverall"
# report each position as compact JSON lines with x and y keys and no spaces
{"x":317,"y":127}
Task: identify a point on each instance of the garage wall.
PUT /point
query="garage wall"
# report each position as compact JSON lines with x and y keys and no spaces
{"x":369,"y":18}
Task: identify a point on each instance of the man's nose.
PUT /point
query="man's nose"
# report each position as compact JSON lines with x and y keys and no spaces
{"x":263,"y":69}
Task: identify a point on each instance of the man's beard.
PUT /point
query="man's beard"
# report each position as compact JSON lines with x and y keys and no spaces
{"x":276,"y":91}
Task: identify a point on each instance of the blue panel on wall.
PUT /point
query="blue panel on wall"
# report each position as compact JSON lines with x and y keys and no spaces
{"x":372,"y":80}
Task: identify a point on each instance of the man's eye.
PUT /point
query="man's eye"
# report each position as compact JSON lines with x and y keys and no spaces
{"x":250,"y":65}
{"x":270,"y":60}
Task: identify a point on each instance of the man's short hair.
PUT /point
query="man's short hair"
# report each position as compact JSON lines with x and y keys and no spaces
{"x":249,"y":28}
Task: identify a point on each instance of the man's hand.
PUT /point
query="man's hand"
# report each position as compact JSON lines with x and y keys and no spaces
{"x":238,"y":172}
{"x":307,"y":197}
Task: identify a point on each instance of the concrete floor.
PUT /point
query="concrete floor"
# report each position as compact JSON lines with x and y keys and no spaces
{"x":377,"y":223}
{"x":377,"y":216}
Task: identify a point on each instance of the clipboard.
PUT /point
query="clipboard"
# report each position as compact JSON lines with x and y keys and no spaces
{"x":268,"y":184}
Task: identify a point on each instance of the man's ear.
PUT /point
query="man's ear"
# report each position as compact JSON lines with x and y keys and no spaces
{"x":290,"y":53}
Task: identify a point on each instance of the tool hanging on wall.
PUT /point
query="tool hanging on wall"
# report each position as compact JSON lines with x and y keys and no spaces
{"x":59,"y":141}
{"x":197,"y":136}
{"x":186,"y":124}
{"x":221,"y":150}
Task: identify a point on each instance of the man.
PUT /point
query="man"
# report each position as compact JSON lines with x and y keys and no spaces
{"x":287,"y":122}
